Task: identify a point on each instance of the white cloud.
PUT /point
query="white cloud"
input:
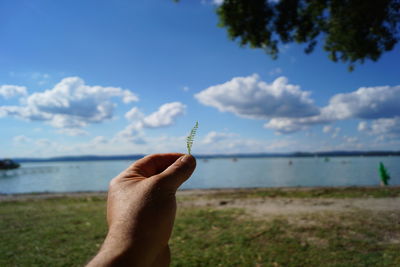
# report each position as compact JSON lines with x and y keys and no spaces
{"x":134,"y":114}
{"x":363,"y":126}
{"x":365,"y":103}
{"x":132,"y":134}
{"x":213,"y":137}
{"x":218,"y":2}
{"x":71,"y":104}
{"x":8,"y":91}
{"x":164,"y":116}
{"x":290,"y":110}
{"x":185,"y":88}
{"x":387,"y":128}
{"x":252,"y":98}
{"x":212,"y":2}
{"x":285,"y":125}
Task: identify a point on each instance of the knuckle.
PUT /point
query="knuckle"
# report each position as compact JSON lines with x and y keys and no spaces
{"x":113,"y":183}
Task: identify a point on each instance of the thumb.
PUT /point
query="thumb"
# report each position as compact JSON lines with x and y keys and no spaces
{"x":178,"y":172}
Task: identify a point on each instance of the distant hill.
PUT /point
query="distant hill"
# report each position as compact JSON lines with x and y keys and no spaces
{"x":81,"y":158}
{"x":243,"y":155}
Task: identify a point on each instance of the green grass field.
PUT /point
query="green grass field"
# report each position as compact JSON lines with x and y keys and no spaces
{"x":68,"y":231}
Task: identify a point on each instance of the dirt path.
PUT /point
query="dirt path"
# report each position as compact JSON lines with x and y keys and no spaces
{"x":287,"y":206}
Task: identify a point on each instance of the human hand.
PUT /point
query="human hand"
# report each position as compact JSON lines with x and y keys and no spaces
{"x":141,"y":209}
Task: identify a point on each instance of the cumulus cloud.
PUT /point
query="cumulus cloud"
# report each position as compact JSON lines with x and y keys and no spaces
{"x":130,"y":131}
{"x":288,"y":109}
{"x":365,"y":103}
{"x":252,"y":98}
{"x":164,"y":116}
{"x":379,"y":104}
{"x":130,"y":137}
{"x":285,"y":125}
{"x":70,"y":104}
{"x":386,"y":128}
{"x":9,"y":91}
{"x":134,"y":114}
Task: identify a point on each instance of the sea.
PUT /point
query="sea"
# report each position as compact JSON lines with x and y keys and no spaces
{"x":210,"y":173}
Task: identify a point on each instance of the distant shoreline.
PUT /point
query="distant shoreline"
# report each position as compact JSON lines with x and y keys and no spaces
{"x":214,"y":156}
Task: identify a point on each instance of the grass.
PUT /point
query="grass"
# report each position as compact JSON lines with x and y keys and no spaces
{"x":68,"y":232}
{"x":51,"y":232}
{"x":224,"y":238}
{"x":323,"y":192}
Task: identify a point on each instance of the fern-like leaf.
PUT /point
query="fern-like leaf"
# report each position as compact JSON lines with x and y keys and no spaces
{"x":190,"y":138}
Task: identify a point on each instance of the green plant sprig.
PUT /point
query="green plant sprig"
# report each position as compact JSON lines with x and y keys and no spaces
{"x":190,"y":138}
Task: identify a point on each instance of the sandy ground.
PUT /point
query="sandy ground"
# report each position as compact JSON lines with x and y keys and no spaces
{"x":257,"y":206}
{"x":261,"y":206}
{"x":287,"y":206}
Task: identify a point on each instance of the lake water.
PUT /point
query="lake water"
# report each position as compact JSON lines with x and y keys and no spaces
{"x":214,"y":173}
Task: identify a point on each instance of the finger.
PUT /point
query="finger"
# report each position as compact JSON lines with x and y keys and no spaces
{"x":178,"y":172}
{"x":152,"y":164}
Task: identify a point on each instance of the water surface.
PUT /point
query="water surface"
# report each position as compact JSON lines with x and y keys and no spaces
{"x":214,"y":173}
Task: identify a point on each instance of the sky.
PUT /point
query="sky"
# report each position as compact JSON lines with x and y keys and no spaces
{"x":132,"y":77}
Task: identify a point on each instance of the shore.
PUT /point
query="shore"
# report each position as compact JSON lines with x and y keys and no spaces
{"x":265,"y":201}
{"x":326,"y":226}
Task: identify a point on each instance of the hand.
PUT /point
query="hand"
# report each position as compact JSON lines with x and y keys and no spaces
{"x":141,"y":209}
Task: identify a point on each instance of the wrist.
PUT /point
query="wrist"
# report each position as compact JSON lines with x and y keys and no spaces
{"x":113,"y":253}
{"x":119,"y":249}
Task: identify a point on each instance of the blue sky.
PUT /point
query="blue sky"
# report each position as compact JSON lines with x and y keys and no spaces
{"x":128,"y":77}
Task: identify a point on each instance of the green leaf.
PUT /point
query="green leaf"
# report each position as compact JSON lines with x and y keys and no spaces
{"x":190,"y":138}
